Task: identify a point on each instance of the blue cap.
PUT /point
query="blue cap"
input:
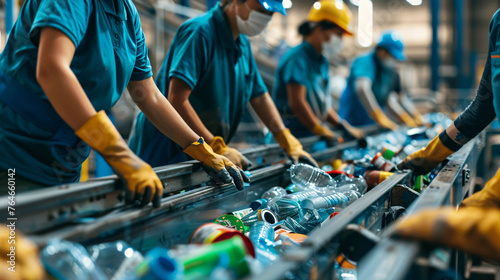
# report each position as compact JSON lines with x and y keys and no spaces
{"x":391,"y":41}
{"x":273,"y":6}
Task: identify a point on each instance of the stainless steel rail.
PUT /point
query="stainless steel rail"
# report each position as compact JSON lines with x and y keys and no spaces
{"x":392,"y":259}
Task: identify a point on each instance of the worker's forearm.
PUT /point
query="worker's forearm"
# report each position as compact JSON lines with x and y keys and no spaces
{"x":366,"y":96}
{"x":333,"y":118}
{"x":268,"y":113}
{"x":65,"y":94}
{"x":161,"y":113}
{"x":394,"y":105}
{"x":187,"y":112}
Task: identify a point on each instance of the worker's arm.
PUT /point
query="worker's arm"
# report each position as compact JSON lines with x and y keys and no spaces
{"x":408,"y":105}
{"x":398,"y":110}
{"x":268,"y":113}
{"x":334,"y":119}
{"x":367,"y":98}
{"x":304,"y":113}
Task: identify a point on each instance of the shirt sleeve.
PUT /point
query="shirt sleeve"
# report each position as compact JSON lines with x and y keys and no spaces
{"x":70,"y":17}
{"x":259,"y":87}
{"x":189,"y":57}
{"x":480,"y":113}
{"x":142,"y":68}
{"x":294,"y":72}
{"x":364,"y":68}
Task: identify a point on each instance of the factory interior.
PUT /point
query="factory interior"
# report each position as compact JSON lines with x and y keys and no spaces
{"x":249,"y":139}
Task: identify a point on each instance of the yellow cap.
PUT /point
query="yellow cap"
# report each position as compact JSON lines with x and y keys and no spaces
{"x":332,"y":10}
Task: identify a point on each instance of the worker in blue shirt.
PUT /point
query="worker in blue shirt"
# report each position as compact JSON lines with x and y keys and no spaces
{"x":209,"y":76}
{"x":64,"y":64}
{"x":301,"y":90}
{"x":371,"y":86}
{"x":474,"y":227}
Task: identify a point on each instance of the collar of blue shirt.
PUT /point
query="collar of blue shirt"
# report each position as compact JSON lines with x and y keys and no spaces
{"x":115,"y":7}
{"x":222,"y":25}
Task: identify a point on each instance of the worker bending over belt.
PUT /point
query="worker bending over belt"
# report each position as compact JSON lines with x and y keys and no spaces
{"x":209,"y":76}
{"x":372,"y":86}
{"x":301,"y":91}
{"x":64,"y":64}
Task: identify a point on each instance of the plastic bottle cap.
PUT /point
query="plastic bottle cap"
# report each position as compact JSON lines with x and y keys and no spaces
{"x":388,"y":154}
{"x":376,"y":157}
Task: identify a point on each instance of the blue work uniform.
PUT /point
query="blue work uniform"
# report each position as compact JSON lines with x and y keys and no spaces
{"x":110,"y":52}
{"x":302,"y":65}
{"x":383,"y":83}
{"x":222,"y":74}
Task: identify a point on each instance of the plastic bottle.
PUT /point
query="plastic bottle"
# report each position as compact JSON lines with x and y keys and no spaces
{"x":330,"y":201}
{"x":262,"y":236}
{"x":260,"y":215}
{"x":352,"y":195}
{"x":301,"y":195}
{"x":70,"y":261}
{"x":193,"y":261}
{"x":382,"y":164}
{"x":117,"y":259}
{"x":284,"y":207}
{"x":274,"y":192}
{"x":345,"y":183}
{"x":308,"y":177}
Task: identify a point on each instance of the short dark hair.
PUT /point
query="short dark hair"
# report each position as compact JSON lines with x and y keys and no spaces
{"x":307,"y":27}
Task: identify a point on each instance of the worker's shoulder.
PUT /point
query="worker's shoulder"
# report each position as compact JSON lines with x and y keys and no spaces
{"x":199,"y":26}
{"x":294,"y":56}
{"x":364,"y":59}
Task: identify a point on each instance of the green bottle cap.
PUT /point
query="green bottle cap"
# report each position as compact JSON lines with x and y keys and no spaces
{"x":388,"y":154}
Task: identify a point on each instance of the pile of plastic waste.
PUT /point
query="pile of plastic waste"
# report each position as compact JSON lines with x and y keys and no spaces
{"x":244,"y":242}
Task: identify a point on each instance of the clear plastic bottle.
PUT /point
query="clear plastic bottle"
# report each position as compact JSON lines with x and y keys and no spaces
{"x":359,"y":183}
{"x":117,"y":259}
{"x":299,"y":196}
{"x":352,"y":195}
{"x":262,"y":236}
{"x":274,"y":192}
{"x":66,"y":260}
{"x":308,"y":177}
{"x":284,"y":207}
{"x":330,"y":201}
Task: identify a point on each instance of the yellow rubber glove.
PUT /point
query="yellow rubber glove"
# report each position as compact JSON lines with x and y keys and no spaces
{"x":353,"y":131}
{"x":473,"y":230}
{"x":293,"y":148}
{"x":220,"y":147}
{"x":383,"y":120}
{"x":426,"y":159}
{"x":419,"y":119}
{"x":408,"y":120}
{"x":221,"y":169}
{"x":323,"y":131}
{"x":140,"y":180}
{"x":488,"y":197}
{"x":26,"y":262}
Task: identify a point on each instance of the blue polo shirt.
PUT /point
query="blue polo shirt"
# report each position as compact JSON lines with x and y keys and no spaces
{"x":110,"y":52}
{"x":384,"y":81}
{"x":222,"y":74}
{"x":302,"y":65}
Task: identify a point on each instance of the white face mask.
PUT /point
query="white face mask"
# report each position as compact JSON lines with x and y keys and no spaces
{"x":255,"y":24}
{"x":390,"y":63}
{"x":333,"y":47}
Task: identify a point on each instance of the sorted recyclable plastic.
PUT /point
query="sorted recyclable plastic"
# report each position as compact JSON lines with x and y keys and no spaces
{"x":330,"y":201}
{"x":310,"y":178}
{"x":262,"y":236}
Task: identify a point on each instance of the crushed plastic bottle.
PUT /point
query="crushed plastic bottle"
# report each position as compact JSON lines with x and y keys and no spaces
{"x":330,"y":201}
{"x":66,"y":260}
{"x":301,"y":195}
{"x":345,"y":183}
{"x":117,"y":259}
{"x":309,"y":178}
{"x":262,"y":236}
{"x":284,"y":207}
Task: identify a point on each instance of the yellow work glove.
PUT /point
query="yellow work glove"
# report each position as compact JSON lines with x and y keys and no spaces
{"x":293,"y":148}
{"x":473,"y":230}
{"x":488,"y":197}
{"x":383,"y":120}
{"x":323,"y":131}
{"x":426,"y":159}
{"x":220,"y":147}
{"x":221,"y":169}
{"x":419,"y":119}
{"x":140,"y":180}
{"x":26,"y":264}
{"x":408,"y":120}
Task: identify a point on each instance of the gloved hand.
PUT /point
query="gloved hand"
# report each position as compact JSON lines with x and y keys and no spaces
{"x":426,"y":159}
{"x":221,"y":169}
{"x":141,"y":181}
{"x":27,"y":264}
{"x":383,"y":120}
{"x":293,"y":148}
{"x":488,"y":197}
{"x":220,"y":147}
{"x":419,"y":119}
{"x":408,"y":120}
{"x":473,"y":230}
{"x":323,"y":131}
{"x":353,"y":131}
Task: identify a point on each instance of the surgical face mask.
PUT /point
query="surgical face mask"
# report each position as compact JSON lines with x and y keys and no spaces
{"x":255,"y":24}
{"x":333,"y":46}
{"x":389,"y":63}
